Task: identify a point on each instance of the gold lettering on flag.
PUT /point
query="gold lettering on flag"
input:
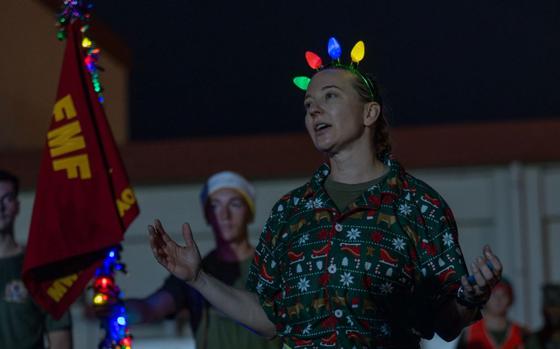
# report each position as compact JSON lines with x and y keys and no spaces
{"x":63,"y":140}
{"x":71,"y":164}
{"x":126,"y":200}
{"x":64,"y":108}
{"x":60,"y":286}
{"x":67,"y":138}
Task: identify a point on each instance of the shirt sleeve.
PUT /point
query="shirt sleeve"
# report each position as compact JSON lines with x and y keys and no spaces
{"x":265,"y":273}
{"x":440,"y":259}
{"x":437,"y":256}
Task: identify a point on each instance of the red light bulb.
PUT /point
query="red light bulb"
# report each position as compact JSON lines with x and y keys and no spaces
{"x":313,"y":60}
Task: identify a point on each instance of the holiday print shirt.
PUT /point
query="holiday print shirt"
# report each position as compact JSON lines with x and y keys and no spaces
{"x":370,"y":276}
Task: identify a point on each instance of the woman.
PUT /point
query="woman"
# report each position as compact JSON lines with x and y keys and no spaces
{"x":363,"y":255}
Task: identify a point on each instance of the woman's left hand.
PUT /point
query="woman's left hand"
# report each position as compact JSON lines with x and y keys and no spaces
{"x":486,"y":273}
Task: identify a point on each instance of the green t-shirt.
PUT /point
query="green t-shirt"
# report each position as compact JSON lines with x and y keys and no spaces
{"x":344,"y":194}
{"x":22,"y":322}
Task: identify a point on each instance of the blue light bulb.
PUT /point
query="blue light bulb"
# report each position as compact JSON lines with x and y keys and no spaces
{"x":121,"y":320}
{"x":334,"y":48}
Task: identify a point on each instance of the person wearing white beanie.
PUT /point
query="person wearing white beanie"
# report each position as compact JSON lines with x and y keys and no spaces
{"x":231,"y":180}
{"x":228,"y":202}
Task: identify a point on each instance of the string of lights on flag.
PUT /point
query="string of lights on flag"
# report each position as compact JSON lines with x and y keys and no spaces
{"x":106,"y":291}
{"x":335,"y":51}
{"x":81,"y":10}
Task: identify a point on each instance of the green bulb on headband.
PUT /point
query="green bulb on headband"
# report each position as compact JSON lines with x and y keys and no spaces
{"x":302,"y":82}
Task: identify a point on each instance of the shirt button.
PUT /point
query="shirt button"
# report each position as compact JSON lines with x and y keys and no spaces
{"x":338,"y":227}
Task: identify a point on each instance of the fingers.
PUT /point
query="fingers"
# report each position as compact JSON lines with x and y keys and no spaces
{"x":155,"y":238}
{"x":486,"y":273}
{"x":467,"y":286}
{"x":485,"y":268}
{"x":480,"y":285}
{"x":157,"y":245}
{"x":494,"y":260}
{"x":187,"y":235}
{"x":164,"y":236}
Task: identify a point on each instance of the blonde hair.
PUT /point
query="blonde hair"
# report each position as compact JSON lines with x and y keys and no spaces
{"x":381,"y":135}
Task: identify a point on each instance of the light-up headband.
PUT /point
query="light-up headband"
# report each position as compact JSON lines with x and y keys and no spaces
{"x":335,"y":51}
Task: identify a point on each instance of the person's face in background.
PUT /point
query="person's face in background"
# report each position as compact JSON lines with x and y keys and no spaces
{"x":229,"y":215}
{"x":9,"y":205}
{"x":499,"y":303}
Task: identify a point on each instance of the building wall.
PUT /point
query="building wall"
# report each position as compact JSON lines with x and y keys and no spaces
{"x":29,"y":71}
{"x":514,"y":208}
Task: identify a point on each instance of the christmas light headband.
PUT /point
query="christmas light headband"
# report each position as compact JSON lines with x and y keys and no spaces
{"x":335,"y":51}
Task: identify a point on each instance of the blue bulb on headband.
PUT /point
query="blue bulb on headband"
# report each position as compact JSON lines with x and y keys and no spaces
{"x":334,"y":48}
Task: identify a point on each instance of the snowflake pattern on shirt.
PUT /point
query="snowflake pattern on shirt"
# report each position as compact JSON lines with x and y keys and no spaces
{"x":349,"y":279}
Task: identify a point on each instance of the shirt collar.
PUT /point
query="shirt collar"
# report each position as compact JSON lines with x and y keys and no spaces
{"x":390,"y":188}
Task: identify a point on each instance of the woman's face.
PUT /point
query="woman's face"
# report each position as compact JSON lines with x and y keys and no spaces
{"x":336,"y":118}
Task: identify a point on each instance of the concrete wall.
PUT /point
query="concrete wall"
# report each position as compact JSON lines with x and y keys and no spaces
{"x":29,"y":71}
{"x":515,"y":209}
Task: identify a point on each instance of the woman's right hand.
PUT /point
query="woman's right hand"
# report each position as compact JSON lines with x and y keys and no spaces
{"x":181,"y":261}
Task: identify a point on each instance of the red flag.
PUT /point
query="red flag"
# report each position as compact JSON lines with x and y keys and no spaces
{"x":83,"y":202}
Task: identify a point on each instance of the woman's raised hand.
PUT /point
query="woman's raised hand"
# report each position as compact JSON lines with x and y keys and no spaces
{"x":181,"y":261}
{"x":486,"y":273}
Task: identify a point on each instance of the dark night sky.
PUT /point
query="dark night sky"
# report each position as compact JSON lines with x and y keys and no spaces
{"x":221,"y":68}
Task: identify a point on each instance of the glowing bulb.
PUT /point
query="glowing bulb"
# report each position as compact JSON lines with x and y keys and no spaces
{"x":313,"y":60}
{"x":112,"y":254}
{"x":103,"y":283}
{"x":86,"y":42}
{"x":121,"y":320}
{"x":302,"y":82}
{"x":334,"y":48}
{"x":100,"y":299}
{"x":358,"y":52}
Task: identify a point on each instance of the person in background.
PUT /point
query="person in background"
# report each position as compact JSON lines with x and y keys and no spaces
{"x":228,"y":201}
{"x":23,"y":324}
{"x":495,"y":330}
{"x":548,"y":337}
